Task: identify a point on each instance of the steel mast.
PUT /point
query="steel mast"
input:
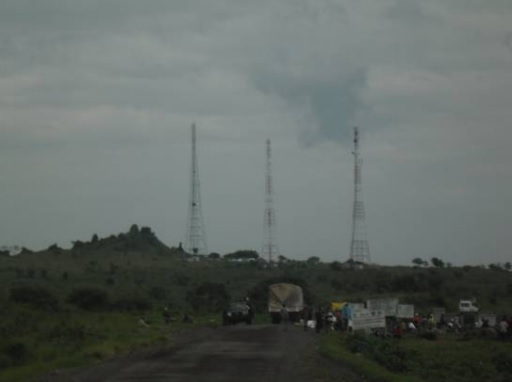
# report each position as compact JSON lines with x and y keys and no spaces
{"x":270,"y":248}
{"x":196,"y":235}
{"x":359,"y":247}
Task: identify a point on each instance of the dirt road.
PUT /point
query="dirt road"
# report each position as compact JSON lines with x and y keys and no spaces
{"x":236,"y":353}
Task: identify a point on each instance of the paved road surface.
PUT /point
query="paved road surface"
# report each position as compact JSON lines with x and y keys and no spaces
{"x":236,"y":353}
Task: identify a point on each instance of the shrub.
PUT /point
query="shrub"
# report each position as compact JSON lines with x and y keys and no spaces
{"x":210,"y":297}
{"x":429,"y":335}
{"x":182,"y":279}
{"x":78,"y":244}
{"x":336,"y":266}
{"x":110,"y":281}
{"x":54,"y":248}
{"x":112,"y":268}
{"x":132,"y":304}
{"x":89,"y":298}
{"x":146,"y":231}
{"x":37,"y":297}
{"x":5,"y":361}
{"x":17,"y":352}
{"x":158,"y":293}
{"x":66,"y":332}
{"x":502,"y":361}
{"x":134,"y":230}
{"x":26,"y":251}
{"x":384,"y":351}
{"x":405,"y":282}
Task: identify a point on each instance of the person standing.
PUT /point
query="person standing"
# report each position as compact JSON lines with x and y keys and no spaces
{"x":306,"y":316}
{"x":503,"y":329}
{"x":319,"y":320}
{"x":347,"y":316}
{"x":284,"y":316}
{"x":250,"y":310}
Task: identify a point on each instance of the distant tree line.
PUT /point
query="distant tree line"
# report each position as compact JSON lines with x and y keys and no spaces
{"x":246,"y":254}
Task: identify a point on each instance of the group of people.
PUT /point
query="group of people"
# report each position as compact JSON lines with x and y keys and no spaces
{"x":425,"y":322}
{"x":502,"y":330}
{"x":321,"y":319}
{"x":168,"y":317}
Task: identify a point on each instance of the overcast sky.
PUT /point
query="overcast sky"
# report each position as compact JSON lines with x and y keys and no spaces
{"x":97,"y":99}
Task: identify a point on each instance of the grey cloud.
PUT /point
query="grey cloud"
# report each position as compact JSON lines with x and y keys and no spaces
{"x":507,"y":41}
{"x":408,"y":11}
{"x":116,"y":83}
{"x":329,"y":106}
{"x":58,"y":33}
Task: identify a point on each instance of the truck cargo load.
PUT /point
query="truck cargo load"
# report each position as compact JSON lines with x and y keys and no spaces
{"x":289,"y":295}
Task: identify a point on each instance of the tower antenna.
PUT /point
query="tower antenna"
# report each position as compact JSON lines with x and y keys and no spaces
{"x":270,"y":249}
{"x":196,"y":235}
{"x":359,"y":247}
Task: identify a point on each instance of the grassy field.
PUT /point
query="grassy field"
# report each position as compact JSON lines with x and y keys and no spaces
{"x":451,"y":357}
{"x":36,"y":342}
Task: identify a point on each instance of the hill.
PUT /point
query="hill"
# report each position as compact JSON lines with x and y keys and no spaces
{"x":137,"y":265}
{"x":62,"y":307}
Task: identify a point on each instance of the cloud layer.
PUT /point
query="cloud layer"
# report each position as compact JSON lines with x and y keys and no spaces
{"x":96,"y":100}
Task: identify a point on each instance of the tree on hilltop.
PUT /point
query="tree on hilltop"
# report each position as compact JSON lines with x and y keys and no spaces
{"x":313,"y":260}
{"x":436,"y":262}
{"x":245,"y":254}
{"x":417,"y":261}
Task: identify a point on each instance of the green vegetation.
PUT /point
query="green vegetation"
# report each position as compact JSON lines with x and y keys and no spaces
{"x":64,"y":307}
{"x":337,"y":348}
{"x":450,"y":358}
{"x":35,"y":342}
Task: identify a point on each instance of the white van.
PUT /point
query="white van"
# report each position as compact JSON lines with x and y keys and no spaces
{"x":467,"y":306}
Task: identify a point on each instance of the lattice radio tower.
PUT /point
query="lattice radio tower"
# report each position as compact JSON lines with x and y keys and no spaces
{"x":270,"y":248}
{"x":359,"y":247}
{"x":196,"y":235}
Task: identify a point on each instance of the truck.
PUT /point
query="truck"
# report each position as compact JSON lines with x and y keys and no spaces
{"x":237,"y":312}
{"x":285,"y":295}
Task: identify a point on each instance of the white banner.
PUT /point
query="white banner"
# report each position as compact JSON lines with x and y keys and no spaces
{"x":368,"y":319}
{"x":387,"y":305}
{"x":404,"y":311}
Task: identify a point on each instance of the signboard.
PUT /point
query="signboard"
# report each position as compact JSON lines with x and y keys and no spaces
{"x":491,"y":319}
{"x":365,"y":319}
{"x":404,"y":311}
{"x":357,"y":305}
{"x":387,"y":305}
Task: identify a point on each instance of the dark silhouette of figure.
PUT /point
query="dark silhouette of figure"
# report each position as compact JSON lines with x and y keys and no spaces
{"x":319,"y":320}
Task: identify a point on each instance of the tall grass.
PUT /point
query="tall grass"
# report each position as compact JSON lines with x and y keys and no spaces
{"x":450,"y":358}
{"x":40,"y":342}
{"x":337,"y":347}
